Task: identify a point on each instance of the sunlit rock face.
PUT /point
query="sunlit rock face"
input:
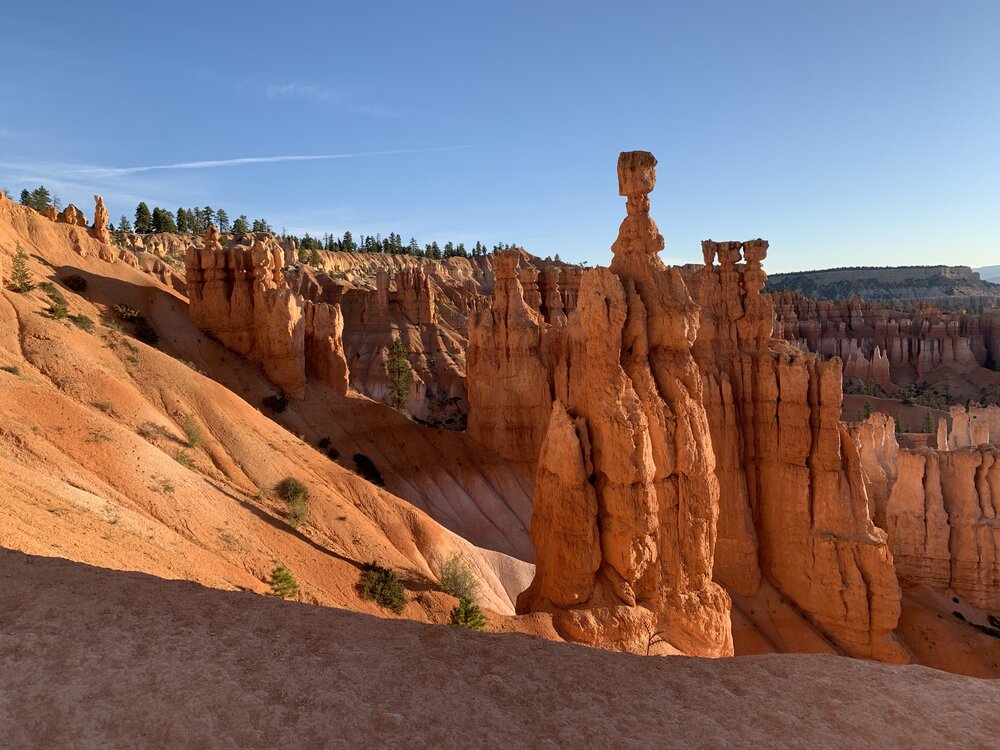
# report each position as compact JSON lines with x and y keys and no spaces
{"x":240,"y":296}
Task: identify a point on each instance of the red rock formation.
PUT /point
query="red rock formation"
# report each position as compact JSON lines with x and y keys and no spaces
{"x":510,"y":394}
{"x":626,"y":498}
{"x":942,"y":519}
{"x":239,"y":294}
{"x":794,"y":505}
{"x":513,"y":348}
{"x":100,"y":229}
{"x":941,"y":508}
{"x":970,"y":427}
{"x":72,"y":215}
{"x":894,"y":347}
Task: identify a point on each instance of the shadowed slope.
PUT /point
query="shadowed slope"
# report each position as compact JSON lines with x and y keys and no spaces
{"x":99,"y":658}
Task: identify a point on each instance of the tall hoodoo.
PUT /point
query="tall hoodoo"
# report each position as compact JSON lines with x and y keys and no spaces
{"x":100,"y":229}
{"x":626,"y":499}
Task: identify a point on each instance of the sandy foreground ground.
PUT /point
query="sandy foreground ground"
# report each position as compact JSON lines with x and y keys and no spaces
{"x":97,"y":658}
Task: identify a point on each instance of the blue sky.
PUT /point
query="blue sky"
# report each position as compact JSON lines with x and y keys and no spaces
{"x":846,"y":133}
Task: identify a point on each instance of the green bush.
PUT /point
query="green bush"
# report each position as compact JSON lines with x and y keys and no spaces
{"x":296,"y":494}
{"x":184,"y":459}
{"x":457,"y":579}
{"x":283,"y":583}
{"x":82,"y":322}
{"x":382,"y":586}
{"x":193,"y":432}
{"x":143,"y":330}
{"x":277,"y":402}
{"x":367,"y":469}
{"x":467,"y":614}
{"x":11,"y":369}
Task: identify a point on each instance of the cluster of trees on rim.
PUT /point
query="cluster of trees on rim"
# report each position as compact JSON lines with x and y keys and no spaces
{"x":197,"y":220}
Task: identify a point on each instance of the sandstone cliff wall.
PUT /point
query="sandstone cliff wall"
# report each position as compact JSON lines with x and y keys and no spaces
{"x":240,"y":296}
{"x":794,"y":506}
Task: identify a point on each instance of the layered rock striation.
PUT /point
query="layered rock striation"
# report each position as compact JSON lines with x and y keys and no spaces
{"x":958,"y":351}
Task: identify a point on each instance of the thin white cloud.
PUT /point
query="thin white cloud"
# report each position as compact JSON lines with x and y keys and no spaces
{"x":99,"y":171}
{"x":323,"y":95}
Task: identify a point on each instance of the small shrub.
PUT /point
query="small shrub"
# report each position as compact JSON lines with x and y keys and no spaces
{"x":193,"y":432}
{"x":150,"y":430}
{"x":323,"y":443}
{"x":11,"y":369}
{"x":55,"y":296}
{"x":98,"y":436}
{"x":467,"y":614}
{"x":162,"y":485}
{"x":106,"y":406}
{"x":59,"y":312}
{"x":296,"y":494}
{"x":457,"y":579}
{"x":332,"y":453}
{"x":382,"y":586}
{"x":82,"y":322}
{"x":143,"y":330}
{"x":282,"y":582}
{"x":277,"y":402}
{"x":184,"y":459}
{"x":367,"y":469}
{"x":127,"y":313}
{"x":75,"y":283}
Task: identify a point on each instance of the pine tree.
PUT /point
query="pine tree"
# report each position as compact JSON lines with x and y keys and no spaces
{"x":397,"y":367}
{"x":124,"y":225}
{"x":414,"y":247}
{"x":163,"y":220}
{"x":283,"y":583}
{"x":241,"y":226}
{"x":865,"y":411}
{"x":20,"y":277}
{"x":182,"y":221}
{"x":928,"y":426}
{"x":143,"y":219}
{"x":467,"y":614}
{"x":347,"y":244}
{"x":223,"y":218}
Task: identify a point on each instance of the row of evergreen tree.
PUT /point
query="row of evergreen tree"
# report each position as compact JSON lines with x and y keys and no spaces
{"x":188,"y":221}
{"x":391,"y":245}
{"x":197,"y":220}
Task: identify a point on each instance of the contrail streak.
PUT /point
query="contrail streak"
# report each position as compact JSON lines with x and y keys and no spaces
{"x":208,"y":164}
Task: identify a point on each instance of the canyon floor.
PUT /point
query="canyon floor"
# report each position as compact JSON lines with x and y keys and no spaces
{"x":98,"y":658}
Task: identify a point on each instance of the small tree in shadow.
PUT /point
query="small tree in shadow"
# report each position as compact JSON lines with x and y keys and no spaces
{"x":282,"y":582}
{"x":467,"y":614}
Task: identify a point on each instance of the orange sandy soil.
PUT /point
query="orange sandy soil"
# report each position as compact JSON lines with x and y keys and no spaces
{"x":97,"y":658}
